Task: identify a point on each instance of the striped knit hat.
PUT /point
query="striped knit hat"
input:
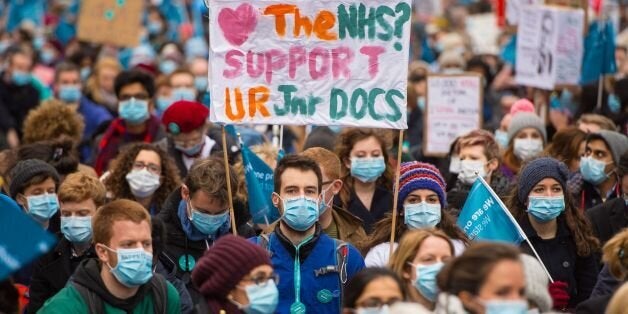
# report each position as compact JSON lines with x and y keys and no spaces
{"x":418,"y":175}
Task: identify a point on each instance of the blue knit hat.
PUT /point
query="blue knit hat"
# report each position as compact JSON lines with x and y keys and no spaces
{"x":418,"y":175}
{"x":537,"y":170}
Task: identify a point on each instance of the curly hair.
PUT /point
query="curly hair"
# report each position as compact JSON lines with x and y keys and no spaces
{"x":117,"y":184}
{"x":59,"y":153}
{"x":50,"y":121}
{"x":344,"y":144}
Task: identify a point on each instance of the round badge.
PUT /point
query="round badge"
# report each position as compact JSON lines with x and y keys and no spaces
{"x":173,"y":128}
{"x":297,"y":308}
{"x":324,"y":296}
{"x":191,"y":262}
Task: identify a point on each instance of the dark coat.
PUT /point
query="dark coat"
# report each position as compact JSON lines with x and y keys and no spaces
{"x":51,"y":273}
{"x":594,"y":305}
{"x":590,"y":197}
{"x":381,"y":204}
{"x":562,"y":261}
{"x":608,"y":219}
{"x":15,"y":103}
{"x":457,"y":196}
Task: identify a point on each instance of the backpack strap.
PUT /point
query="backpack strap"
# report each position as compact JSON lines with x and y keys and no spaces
{"x":94,"y":302}
{"x":342,"y":252}
{"x":160,"y":293}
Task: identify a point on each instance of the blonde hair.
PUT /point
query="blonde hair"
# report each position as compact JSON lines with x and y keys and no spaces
{"x":615,"y":255}
{"x":619,"y":301}
{"x":78,"y":187}
{"x":52,"y":120}
{"x":409,"y":246}
{"x":268,"y":153}
{"x":92,"y":85}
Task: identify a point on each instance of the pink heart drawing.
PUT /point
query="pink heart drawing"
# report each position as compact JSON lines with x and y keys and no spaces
{"x":237,"y":24}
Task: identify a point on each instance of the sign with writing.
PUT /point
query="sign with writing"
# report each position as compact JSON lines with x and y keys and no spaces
{"x":514,"y":7}
{"x":111,"y":22}
{"x":454,"y":107}
{"x":310,"y":62}
{"x":549,"y":46}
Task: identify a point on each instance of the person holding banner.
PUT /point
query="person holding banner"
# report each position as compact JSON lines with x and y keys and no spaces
{"x":526,"y":138}
{"x":366,"y":174}
{"x":422,"y":204}
{"x":557,"y":230}
{"x":418,"y":259}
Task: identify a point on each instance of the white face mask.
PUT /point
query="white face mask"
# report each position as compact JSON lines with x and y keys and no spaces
{"x":470,"y":170}
{"x":527,"y":148}
{"x":454,"y":165}
{"x":143,"y":183}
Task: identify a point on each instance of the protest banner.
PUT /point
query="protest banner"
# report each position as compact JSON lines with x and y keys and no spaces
{"x":549,"y":46}
{"x":453,"y":107}
{"x":315,"y":62}
{"x":259,"y":187}
{"x":111,"y":22}
{"x":514,"y":7}
{"x":21,"y":238}
{"x":481,"y":28}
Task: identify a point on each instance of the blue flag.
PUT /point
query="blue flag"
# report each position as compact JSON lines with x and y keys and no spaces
{"x":599,"y":52}
{"x":21,"y":238}
{"x":259,"y":186}
{"x":485,"y":218}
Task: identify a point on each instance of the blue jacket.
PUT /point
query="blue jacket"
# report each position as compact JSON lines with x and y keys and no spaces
{"x":319,"y":293}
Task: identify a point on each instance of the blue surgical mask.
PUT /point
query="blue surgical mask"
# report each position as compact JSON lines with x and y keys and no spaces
{"x":593,"y":170}
{"x":154,"y":27}
{"x":300,"y":213}
{"x":77,"y":229}
{"x":425,"y":281}
{"x":502,"y":138}
{"x":614,"y":104}
{"x":322,"y":205}
{"x":421,"y":102}
{"x":69,"y":93}
{"x":367,"y":169}
{"x":134,"y":266}
{"x":191,"y":151}
{"x":4,"y":44}
{"x":421,"y":215}
{"x":183,"y":93}
{"x":506,"y":307}
{"x":208,"y":224}
{"x":167,"y":66}
{"x":85,"y":73}
{"x":47,"y":56}
{"x":162,"y":103}
{"x":42,"y":207}
{"x":20,"y":78}
{"x":544,"y":208}
{"x":201,"y":83}
{"x":133,"y":111}
{"x":262,"y":299}
{"x":527,"y":148}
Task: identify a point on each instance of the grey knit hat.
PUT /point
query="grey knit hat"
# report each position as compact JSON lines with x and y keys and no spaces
{"x":616,"y":142}
{"x":536,"y":283}
{"x":523,"y":120}
{"x":26,"y":170}
{"x":537,"y":170}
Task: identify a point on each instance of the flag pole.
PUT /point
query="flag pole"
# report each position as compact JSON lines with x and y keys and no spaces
{"x":600,"y":89}
{"x":281,"y":136}
{"x":228,"y":175}
{"x":514,"y":221}
{"x":396,"y":194}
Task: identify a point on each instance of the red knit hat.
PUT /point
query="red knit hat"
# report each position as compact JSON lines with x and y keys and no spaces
{"x":225,"y":263}
{"x":184,"y":116}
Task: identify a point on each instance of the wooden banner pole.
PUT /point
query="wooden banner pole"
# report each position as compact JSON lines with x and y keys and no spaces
{"x":396,"y":194}
{"x":234,"y":229}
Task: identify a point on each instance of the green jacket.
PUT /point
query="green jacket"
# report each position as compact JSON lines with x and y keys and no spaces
{"x":69,"y":301}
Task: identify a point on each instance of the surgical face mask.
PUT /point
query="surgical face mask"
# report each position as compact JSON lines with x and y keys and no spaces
{"x":85,"y":73}
{"x":421,"y":102}
{"x":167,"y":67}
{"x":20,"y":78}
{"x":183,"y":93}
{"x":143,"y":183}
{"x":527,"y":148}
{"x":300,"y":212}
{"x":593,"y":170}
{"x":614,"y":104}
{"x":373,"y":310}
{"x":134,"y":266}
{"x":367,"y":169}
{"x":208,"y":224}
{"x":47,"y":56}
{"x":191,"y":151}
{"x":504,"y":306}
{"x":324,"y":204}
{"x":502,"y":138}
{"x":470,"y":170}
{"x":163,"y":103}
{"x":77,"y":229}
{"x":154,"y":27}
{"x":262,"y":299}
{"x":42,"y":207}
{"x":454,"y":165}
{"x":201,"y":83}
{"x":544,"y":208}
{"x":69,"y":93}
{"x":425,"y":281}
{"x":133,"y":111}
{"x":421,"y":215}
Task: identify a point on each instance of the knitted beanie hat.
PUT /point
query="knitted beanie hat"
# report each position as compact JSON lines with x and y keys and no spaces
{"x":524,"y":120}
{"x":616,"y":142}
{"x":536,"y":283}
{"x":537,"y":170}
{"x":225,"y":263}
{"x":418,"y":175}
{"x":522,"y":105}
{"x":26,"y":170}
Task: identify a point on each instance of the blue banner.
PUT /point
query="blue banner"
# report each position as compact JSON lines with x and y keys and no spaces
{"x":21,"y":238}
{"x":485,"y":218}
{"x":599,"y":52}
{"x":259,"y":186}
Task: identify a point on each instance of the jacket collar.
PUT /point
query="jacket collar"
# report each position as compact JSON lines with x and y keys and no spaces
{"x":561,"y":224}
{"x":305,"y":248}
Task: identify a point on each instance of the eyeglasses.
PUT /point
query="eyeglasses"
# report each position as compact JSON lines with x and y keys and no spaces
{"x":376,"y":303}
{"x":263,"y":280}
{"x":152,"y":168}
{"x":140,"y":96}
